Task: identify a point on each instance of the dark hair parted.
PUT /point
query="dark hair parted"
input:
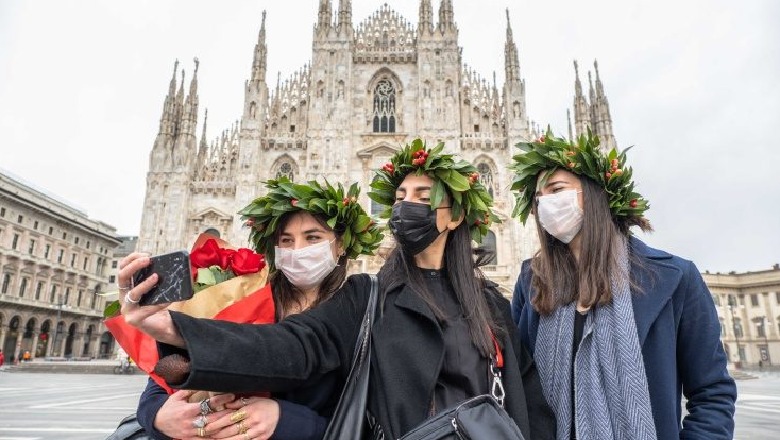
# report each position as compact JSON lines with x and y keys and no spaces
{"x":285,"y":294}
{"x":467,"y":281}
{"x":558,"y":279}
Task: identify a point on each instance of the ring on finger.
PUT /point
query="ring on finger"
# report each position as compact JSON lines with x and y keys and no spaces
{"x":242,"y":429}
{"x":244,"y":401}
{"x":200,"y":422}
{"x":201,"y":432}
{"x":246,"y":436}
{"x":125,"y":288}
{"x":204,"y":407}
{"x":238,"y":416}
{"x":130,"y":300}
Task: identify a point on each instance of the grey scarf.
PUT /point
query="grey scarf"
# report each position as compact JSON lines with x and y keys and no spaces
{"x":610,"y":384}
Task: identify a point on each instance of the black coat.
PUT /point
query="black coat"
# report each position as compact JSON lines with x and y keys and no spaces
{"x":407,"y":352}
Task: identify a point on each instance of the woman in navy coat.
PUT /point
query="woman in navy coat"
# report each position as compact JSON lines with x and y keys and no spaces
{"x":619,"y":331}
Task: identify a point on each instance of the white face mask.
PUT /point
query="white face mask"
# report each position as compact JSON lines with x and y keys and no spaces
{"x":305,"y":267}
{"x":560,"y":214}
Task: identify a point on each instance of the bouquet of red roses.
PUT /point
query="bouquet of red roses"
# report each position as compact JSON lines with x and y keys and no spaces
{"x":229,"y":284}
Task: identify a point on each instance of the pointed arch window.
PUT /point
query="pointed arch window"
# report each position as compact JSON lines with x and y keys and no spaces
{"x":384,"y":107}
{"x":486,"y":177}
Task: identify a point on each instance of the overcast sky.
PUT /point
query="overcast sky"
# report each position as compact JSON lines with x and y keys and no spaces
{"x":694,"y":85}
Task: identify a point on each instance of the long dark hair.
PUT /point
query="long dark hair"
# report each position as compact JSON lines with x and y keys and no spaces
{"x":557,"y":277}
{"x":285,"y":294}
{"x":467,"y":281}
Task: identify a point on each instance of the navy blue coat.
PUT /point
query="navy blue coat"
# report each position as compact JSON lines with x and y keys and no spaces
{"x":679,"y":333}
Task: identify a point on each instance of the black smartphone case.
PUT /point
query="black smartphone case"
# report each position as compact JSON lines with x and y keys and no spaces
{"x":175,"y":283}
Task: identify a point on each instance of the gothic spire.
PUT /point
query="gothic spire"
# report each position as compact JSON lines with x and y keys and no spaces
{"x":204,"y":147}
{"x":261,"y":54}
{"x":169,"y":103}
{"x":194,"y":80}
{"x":581,"y":107}
{"x":345,"y":16}
{"x":191,"y":106}
{"x":172,"y":86}
{"x":599,"y":85}
{"x":602,"y":117}
{"x":511,"y":58}
{"x":324,"y":16}
{"x":426,"y":18}
{"x":446,"y":16}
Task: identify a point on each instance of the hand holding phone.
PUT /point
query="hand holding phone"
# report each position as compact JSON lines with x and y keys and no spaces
{"x":174,"y":282}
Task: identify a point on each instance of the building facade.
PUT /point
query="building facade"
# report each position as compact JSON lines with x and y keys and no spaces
{"x":367,"y":89}
{"x":748,"y":307}
{"x":54,"y":261}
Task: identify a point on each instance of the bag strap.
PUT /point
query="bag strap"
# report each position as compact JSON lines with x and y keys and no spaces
{"x":496,"y":363}
{"x":349,"y":416}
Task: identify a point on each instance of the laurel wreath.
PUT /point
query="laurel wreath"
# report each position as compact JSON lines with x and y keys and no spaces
{"x":582,"y":157}
{"x":457,"y":178}
{"x":360,"y":234}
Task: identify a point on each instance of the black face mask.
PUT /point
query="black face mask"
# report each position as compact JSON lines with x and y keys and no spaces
{"x":413,"y":226}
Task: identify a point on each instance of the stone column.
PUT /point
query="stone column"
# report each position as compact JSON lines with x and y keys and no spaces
{"x":63,"y":340}
{"x":2,"y":338}
{"x":18,"y":350}
{"x":34,"y":348}
{"x":50,"y":340}
{"x":78,"y":344}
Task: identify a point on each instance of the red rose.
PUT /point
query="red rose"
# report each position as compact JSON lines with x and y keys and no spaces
{"x":246,"y":261}
{"x":207,"y":255}
{"x":345,"y":201}
{"x":633,"y":203}
{"x":225,"y":258}
{"x":389,"y":168}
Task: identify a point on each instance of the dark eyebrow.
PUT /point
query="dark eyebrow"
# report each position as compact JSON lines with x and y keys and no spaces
{"x":416,"y":189}
{"x":549,"y":184}
{"x":308,"y":231}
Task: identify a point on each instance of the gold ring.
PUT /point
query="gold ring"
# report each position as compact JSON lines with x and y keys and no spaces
{"x":247,"y":437}
{"x":201,"y":432}
{"x":242,"y":429}
{"x":238,"y":416}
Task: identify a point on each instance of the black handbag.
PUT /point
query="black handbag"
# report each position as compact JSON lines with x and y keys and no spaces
{"x":129,"y":429}
{"x":349,"y":418}
{"x":479,"y":418}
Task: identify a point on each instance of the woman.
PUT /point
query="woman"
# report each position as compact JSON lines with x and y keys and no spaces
{"x":431,"y":342}
{"x":307,"y":260}
{"x":617,"y":329}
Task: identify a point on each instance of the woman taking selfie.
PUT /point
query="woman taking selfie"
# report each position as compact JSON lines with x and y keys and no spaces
{"x":438,"y":328}
{"x":307,"y":259}
{"x":618,"y":330}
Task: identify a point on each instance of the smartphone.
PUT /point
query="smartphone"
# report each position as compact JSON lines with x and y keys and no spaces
{"x":175,"y":279}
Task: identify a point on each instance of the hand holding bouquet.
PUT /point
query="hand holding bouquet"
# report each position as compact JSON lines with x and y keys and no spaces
{"x":229,"y":285}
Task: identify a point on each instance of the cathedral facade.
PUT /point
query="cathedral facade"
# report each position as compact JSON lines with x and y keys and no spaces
{"x":368,"y":88}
